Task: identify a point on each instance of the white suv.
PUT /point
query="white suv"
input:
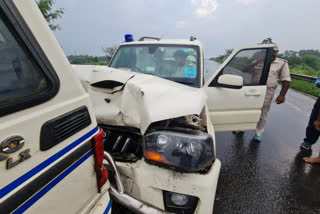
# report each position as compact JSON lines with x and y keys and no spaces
{"x":160,"y":115}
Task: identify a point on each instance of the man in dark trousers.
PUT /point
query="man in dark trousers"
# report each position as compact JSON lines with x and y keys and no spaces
{"x":313,"y":129}
{"x":316,"y":125}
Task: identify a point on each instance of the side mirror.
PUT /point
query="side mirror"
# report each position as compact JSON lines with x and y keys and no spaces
{"x":230,"y":81}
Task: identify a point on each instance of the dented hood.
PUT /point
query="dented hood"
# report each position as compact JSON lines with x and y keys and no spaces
{"x":125,"y":98}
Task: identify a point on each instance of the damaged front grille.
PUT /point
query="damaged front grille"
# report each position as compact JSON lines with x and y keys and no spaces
{"x":123,"y":145}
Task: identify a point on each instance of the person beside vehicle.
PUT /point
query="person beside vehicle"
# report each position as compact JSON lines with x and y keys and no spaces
{"x":312,"y":160}
{"x":316,"y":126}
{"x":313,"y":127}
{"x":279,"y":71}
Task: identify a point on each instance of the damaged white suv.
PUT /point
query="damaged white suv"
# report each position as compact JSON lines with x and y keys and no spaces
{"x":160,"y":115}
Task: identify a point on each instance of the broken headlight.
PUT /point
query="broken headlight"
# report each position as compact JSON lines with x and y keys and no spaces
{"x":186,"y":150}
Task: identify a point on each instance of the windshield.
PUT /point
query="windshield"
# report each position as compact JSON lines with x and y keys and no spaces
{"x":173,"y":62}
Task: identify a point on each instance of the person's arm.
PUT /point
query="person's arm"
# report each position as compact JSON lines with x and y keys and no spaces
{"x":317,"y":122}
{"x":317,"y":83}
{"x":249,"y":67}
{"x":286,"y":79}
{"x":285,"y":86}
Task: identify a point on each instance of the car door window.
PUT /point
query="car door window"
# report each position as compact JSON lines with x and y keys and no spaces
{"x":23,"y":82}
{"x":248,"y":64}
{"x":19,"y":76}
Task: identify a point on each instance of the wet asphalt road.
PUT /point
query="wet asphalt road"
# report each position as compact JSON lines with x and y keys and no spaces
{"x":270,"y":177}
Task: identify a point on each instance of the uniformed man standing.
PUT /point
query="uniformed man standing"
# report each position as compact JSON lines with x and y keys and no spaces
{"x":279,"y":70}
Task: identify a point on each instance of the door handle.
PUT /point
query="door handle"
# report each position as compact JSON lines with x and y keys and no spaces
{"x":252,"y":93}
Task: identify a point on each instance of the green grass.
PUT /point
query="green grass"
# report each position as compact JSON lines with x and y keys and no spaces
{"x":305,"y":87}
{"x":305,"y":71}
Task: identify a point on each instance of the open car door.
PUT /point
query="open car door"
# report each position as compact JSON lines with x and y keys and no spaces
{"x":236,"y":91}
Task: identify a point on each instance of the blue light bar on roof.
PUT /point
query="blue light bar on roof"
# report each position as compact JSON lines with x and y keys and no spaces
{"x":128,"y":38}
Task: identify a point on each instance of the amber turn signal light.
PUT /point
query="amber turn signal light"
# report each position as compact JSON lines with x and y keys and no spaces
{"x":154,"y":157}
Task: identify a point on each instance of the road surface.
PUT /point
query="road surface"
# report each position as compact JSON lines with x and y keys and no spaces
{"x":270,"y":177}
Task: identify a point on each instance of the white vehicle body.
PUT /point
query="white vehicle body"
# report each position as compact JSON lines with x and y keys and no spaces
{"x":49,"y":138}
{"x":134,"y":97}
{"x":68,"y":191}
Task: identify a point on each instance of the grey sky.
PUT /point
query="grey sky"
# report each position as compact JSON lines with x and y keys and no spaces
{"x":89,"y":25}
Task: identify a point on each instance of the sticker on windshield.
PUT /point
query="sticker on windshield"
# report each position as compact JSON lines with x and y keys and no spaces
{"x":190,"y":72}
{"x":186,"y":49}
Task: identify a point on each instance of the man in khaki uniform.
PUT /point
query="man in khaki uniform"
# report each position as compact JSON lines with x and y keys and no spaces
{"x":279,"y":70}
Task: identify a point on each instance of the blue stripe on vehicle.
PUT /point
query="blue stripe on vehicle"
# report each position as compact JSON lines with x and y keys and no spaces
{"x":47,"y":188}
{"x":7,"y":189}
{"x":108,"y":208}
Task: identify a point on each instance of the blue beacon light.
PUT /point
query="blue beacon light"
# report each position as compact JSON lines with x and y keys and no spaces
{"x":128,"y":38}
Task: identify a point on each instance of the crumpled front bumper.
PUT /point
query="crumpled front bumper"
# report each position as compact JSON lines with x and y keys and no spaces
{"x":117,"y":194}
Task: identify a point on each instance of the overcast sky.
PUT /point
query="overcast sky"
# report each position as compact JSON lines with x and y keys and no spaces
{"x":89,"y":25}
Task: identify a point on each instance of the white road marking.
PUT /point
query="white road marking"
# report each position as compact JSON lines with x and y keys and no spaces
{"x":293,"y":106}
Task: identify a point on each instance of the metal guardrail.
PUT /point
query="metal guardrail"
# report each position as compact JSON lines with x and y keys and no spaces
{"x":303,"y":77}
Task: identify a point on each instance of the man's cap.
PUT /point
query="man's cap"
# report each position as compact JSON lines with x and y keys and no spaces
{"x":191,"y":58}
{"x":275,"y":48}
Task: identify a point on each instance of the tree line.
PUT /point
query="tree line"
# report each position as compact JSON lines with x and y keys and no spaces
{"x":303,"y":62}
{"x":88,"y":60}
{"x":94,"y":60}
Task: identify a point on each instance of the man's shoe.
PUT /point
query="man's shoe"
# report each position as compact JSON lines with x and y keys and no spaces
{"x":258,"y":138}
{"x":305,"y":146}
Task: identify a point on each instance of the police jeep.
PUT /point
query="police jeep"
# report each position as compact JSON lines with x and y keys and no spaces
{"x":160,"y":108}
{"x":51,"y":150}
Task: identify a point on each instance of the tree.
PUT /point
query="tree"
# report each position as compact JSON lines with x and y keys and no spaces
{"x":87,"y":60}
{"x":267,"y":41}
{"x":312,"y":61}
{"x":49,"y":14}
{"x":224,"y":56}
{"x":294,"y":60}
{"x":289,"y":53}
{"x":309,"y":52}
{"x":110,"y":51}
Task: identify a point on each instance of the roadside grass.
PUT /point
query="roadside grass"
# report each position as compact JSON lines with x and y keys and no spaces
{"x":305,"y":87}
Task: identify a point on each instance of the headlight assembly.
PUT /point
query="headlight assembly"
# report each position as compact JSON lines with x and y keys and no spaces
{"x":185,"y":150}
